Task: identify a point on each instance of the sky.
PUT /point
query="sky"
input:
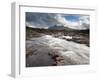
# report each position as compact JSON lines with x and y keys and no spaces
{"x":72,"y":17}
{"x":74,"y":21}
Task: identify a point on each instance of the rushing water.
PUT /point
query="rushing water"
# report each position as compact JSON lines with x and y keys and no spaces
{"x":41,"y":49}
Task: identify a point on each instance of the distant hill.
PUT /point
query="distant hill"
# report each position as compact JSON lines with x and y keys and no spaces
{"x":55,"y":30}
{"x":61,"y":27}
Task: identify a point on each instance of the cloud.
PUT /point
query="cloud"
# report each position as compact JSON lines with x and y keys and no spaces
{"x":46,"y":20}
{"x":82,"y":23}
{"x":85,"y":21}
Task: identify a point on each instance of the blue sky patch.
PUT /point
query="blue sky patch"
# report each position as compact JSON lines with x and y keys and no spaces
{"x":72,"y":17}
